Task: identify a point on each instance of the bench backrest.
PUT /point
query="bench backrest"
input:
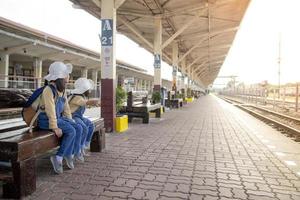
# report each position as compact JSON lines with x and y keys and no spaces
{"x":136,"y":97}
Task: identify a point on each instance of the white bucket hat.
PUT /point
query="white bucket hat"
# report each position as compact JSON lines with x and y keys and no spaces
{"x":82,"y":85}
{"x":58,"y":70}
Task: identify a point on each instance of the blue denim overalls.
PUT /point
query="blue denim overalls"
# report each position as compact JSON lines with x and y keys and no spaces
{"x":68,"y":127}
{"x":87,"y":125}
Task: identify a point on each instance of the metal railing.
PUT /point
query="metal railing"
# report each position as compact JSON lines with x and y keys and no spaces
{"x":32,"y":83}
{"x":287,"y":97}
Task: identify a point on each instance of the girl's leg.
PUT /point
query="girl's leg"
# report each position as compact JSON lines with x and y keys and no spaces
{"x":66,"y":146}
{"x":68,"y":137}
{"x":91,"y":129}
{"x":84,"y":131}
{"x":77,"y":141}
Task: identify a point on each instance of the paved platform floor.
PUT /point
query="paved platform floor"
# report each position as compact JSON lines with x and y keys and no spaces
{"x":206,"y":150}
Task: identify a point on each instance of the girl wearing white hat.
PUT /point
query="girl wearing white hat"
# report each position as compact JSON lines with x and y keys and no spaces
{"x":56,"y":114}
{"x":78,"y":101}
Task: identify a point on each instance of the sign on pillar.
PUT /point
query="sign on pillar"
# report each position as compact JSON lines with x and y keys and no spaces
{"x":107,"y":42}
{"x":108,"y":65}
{"x":174,"y":73}
{"x":157,"y":71}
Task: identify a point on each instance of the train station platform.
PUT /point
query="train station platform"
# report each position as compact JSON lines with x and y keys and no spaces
{"x":208,"y":149}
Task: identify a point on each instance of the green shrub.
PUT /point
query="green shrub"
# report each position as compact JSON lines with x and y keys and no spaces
{"x":120,"y":98}
{"x":156,"y":97}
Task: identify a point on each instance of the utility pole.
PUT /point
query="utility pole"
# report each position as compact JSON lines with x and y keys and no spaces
{"x":279,"y":63}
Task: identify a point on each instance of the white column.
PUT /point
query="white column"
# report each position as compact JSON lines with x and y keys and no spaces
{"x":38,"y":68}
{"x":95,"y":76}
{"x":174,"y":64}
{"x":157,"y":53}
{"x":140,"y":84}
{"x":149,"y":86}
{"x":108,"y":63}
{"x":135,"y":83}
{"x":84,"y":72}
{"x":4,"y":67}
{"x":184,"y":69}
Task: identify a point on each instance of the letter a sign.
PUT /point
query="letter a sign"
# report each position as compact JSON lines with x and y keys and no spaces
{"x":157,"y":61}
{"x":107,"y":32}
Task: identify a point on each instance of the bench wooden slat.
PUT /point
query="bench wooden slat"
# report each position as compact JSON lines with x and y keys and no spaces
{"x":12,"y":126}
{"x":13,"y":133}
{"x":6,"y":177}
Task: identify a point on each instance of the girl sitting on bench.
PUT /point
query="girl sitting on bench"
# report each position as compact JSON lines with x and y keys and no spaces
{"x":56,"y":114}
{"x":78,"y":101}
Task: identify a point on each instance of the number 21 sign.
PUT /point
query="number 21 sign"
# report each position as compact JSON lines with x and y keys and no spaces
{"x":107,"y":32}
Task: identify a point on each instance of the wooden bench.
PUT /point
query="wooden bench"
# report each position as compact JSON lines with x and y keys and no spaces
{"x":8,"y":113}
{"x":139,"y":107}
{"x":19,"y":150}
{"x":173,"y":102}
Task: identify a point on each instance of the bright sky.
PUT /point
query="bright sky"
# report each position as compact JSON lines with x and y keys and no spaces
{"x":253,"y":56}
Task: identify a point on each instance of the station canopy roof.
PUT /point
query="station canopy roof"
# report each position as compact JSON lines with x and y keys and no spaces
{"x":204,"y":29}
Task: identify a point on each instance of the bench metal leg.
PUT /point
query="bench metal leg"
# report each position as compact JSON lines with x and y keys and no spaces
{"x":146,"y":118}
{"x":130,"y":119}
{"x":98,"y":141}
{"x":24,"y":179}
{"x":157,"y":113}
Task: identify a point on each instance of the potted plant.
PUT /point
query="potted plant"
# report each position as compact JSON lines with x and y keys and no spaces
{"x":178,"y":96}
{"x":121,"y":120}
{"x":156,"y":97}
{"x":120,"y":98}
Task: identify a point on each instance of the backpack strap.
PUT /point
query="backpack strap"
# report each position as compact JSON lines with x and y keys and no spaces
{"x":53,"y":89}
{"x":71,"y":97}
{"x":39,"y":109}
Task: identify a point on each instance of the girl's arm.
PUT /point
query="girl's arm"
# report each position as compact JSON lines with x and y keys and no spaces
{"x":67,"y":110}
{"x":50,"y":107}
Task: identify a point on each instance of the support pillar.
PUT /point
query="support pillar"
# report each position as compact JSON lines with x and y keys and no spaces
{"x":135,"y":83}
{"x":149,"y":86}
{"x":182,"y":82}
{"x":140,"y":84}
{"x":4,"y":67}
{"x":174,"y":64}
{"x":121,"y":79}
{"x":96,"y":86}
{"x":95,"y":76}
{"x":84,"y":72}
{"x":185,"y":72}
{"x":108,"y":64}
{"x":38,"y":67}
{"x":157,"y":53}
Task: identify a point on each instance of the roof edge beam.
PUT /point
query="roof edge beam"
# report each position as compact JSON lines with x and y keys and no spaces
{"x":16,"y":48}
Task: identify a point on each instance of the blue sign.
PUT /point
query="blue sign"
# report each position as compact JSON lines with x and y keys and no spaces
{"x":174,"y":70}
{"x":107,"y":32}
{"x":157,"y":61}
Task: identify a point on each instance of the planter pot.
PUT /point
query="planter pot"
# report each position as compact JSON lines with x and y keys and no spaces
{"x":190,"y":99}
{"x":121,"y":123}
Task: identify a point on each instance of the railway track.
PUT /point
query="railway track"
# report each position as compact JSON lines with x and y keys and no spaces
{"x":289,"y":126}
